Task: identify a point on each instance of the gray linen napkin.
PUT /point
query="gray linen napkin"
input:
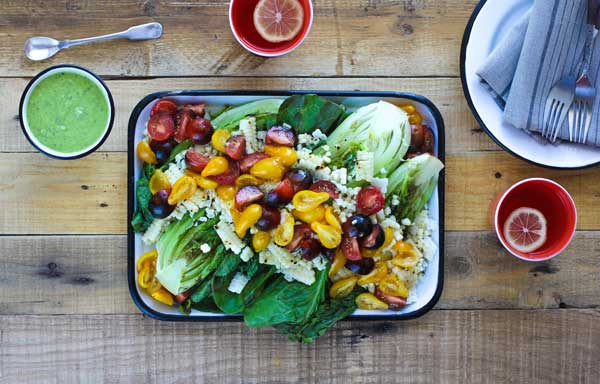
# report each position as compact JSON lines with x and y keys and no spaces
{"x":543,"y":47}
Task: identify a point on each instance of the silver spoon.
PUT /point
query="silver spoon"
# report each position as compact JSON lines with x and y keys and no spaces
{"x":42,"y":48}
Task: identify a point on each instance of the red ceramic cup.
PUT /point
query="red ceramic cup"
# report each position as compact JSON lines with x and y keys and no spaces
{"x":552,"y":200}
{"x":242,"y":26}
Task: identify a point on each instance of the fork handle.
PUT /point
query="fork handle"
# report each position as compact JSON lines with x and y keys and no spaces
{"x":588,"y":49}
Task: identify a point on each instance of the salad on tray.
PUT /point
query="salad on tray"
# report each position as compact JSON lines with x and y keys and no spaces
{"x":291,"y":212}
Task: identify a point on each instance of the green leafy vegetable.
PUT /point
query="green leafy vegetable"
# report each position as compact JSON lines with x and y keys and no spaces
{"x":286,"y":302}
{"x":142,"y":217}
{"x":307,"y":113}
{"x":230,"y":118}
{"x":264,"y":121}
{"x":250,"y":268}
{"x":230,"y":302}
{"x":381,"y":128}
{"x":414,"y":182}
{"x":327,"y":314}
{"x":180,"y":263}
{"x":180,"y":147}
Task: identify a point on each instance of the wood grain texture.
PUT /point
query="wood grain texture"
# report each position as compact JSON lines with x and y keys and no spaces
{"x":443,"y":347}
{"x":349,"y":37}
{"x":51,"y":275}
{"x":88,"y":196}
{"x":462,"y":132}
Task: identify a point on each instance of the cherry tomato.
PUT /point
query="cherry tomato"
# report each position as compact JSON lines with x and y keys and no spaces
{"x":195,"y":161}
{"x":375,"y":239}
{"x":417,"y":136}
{"x":361,"y":267}
{"x":350,"y":248}
{"x":230,"y":175}
{"x":196,"y":109}
{"x":161,"y":127}
{"x":395,"y":303}
{"x":370,"y":200}
{"x":182,"y":119}
{"x":246,"y":196}
{"x":159,"y":204}
{"x":301,"y":232}
{"x":325,"y":186}
{"x":235,"y":147}
{"x":145,"y":153}
{"x":282,"y":194}
{"x":300,"y":179}
{"x":162,"y":149}
{"x":249,"y":161}
{"x":163,"y":106}
{"x":280,"y":136}
{"x":199,"y":130}
{"x":310,"y":248}
{"x":428,"y":141}
{"x":357,"y":226}
{"x":270,"y":219}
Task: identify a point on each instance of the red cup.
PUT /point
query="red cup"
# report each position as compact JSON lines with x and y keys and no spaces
{"x":242,"y":26}
{"x":550,"y":198}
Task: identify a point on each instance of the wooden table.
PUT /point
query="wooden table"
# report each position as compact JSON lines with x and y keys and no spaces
{"x":65,"y":311}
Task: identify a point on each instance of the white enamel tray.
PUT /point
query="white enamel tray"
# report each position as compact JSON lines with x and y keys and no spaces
{"x":490,"y":22}
{"x":429,"y":287}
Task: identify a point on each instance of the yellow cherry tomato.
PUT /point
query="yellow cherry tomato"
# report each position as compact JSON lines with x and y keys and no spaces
{"x":286,"y":155}
{"x":406,"y":260}
{"x":329,"y":236}
{"x":260,"y":240}
{"x":409,"y":109}
{"x":415,"y":118}
{"x":316,"y":214}
{"x":370,"y":302}
{"x":331,"y":218}
{"x":285,"y":230}
{"x":145,"y":277}
{"x":389,"y":237}
{"x":219,"y":138}
{"x":379,"y":272}
{"x":339,"y":260}
{"x":247,"y":219}
{"x":163,"y":296}
{"x":342,"y":288}
{"x":393,"y":286}
{"x":145,"y":153}
{"x":246,"y":180}
{"x":226,"y":192}
{"x":268,"y":169}
{"x":146,"y":259}
{"x":216,"y":166}
{"x":158,"y":181}
{"x":206,"y":183}
{"x":305,"y":201}
{"x":183,"y":189}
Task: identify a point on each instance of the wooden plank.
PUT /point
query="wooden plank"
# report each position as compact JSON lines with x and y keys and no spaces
{"x":420,"y":38}
{"x":462,"y":133}
{"x":88,"y":196}
{"x":48,"y":275}
{"x":442,"y":347}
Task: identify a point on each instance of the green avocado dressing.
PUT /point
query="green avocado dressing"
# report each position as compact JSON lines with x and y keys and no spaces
{"x":67,"y":112}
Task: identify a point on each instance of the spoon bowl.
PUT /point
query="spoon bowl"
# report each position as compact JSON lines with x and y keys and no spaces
{"x":41,"y":48}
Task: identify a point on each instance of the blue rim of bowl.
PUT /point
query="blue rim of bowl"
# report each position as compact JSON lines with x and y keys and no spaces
{"x":137,"y":110}
{"x":465,"y":87}
{"x":111,"y":109}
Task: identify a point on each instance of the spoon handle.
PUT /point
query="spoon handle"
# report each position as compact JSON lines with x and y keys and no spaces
{"x":139,"y":32}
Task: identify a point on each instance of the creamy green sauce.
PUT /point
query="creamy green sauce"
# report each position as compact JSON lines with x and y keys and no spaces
{"x":67,"y":112}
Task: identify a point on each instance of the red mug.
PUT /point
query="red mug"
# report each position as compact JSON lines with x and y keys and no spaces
{"x":242,"y":26}
{"x":552,"y":200}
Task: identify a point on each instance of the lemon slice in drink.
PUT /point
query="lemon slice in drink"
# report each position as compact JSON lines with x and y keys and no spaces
{"x":278,"y":20}
{"x":525,"y":229}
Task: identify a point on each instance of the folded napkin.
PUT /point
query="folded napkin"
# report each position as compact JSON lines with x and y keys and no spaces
{"x":541,"y":48}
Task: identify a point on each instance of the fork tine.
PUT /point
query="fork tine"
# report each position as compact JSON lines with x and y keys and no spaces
{"x":572,"y":117}
{"x":549,"y":106}
{"x":551,"y":119}
{"x":582,"y":118}
{"x":560,"y":118}
{"x":588,"y":123}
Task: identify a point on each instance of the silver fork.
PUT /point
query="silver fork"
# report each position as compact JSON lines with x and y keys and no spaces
{"x":580,"y":114}
{"x":557,"y":106}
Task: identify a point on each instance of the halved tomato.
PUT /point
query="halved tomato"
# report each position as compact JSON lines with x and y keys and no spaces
{"x":161,"y":127}
{"x":182,"y":119}
{"x":163,"y":106}
{"x":370,"y":200}
{"x":350,"y":248}
{"x":230,"y":175}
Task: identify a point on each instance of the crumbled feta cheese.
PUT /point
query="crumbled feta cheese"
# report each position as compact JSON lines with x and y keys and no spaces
{"x":320,"y":262}
{"x":381,"y":184}
{"x":246,"y":254}
{"x":340,"y":176}
{"x":238,"y":283}
{"x":365,"y":165}
{"x":205,"y":248}
{"x":405,"y":221}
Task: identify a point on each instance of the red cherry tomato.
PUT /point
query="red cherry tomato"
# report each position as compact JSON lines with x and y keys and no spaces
{"x":325,"y":186}
{"x":350,"y":248}
{"x":395,"y":303}
{"x":301,"y":232}
{"x":417,"y":136}
{"x":164,"y":106}
{"x":428,"y":141}
{"x":253,"y":158}
{"x":195,"y":161}
{"x":182,"y":119}
{"x":161,"y":127}
{"x":229,"y":176}
{"x":370,"y":200}
{"x":235,"y":147}
{"x":199,"y":130}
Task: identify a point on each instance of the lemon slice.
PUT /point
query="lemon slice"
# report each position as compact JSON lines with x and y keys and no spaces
{"x":525,"y":229}
{"x":278,"y":20}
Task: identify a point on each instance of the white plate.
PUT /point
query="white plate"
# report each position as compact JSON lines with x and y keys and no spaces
{"x":490,"y":22}
{"x":429,"y":287}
